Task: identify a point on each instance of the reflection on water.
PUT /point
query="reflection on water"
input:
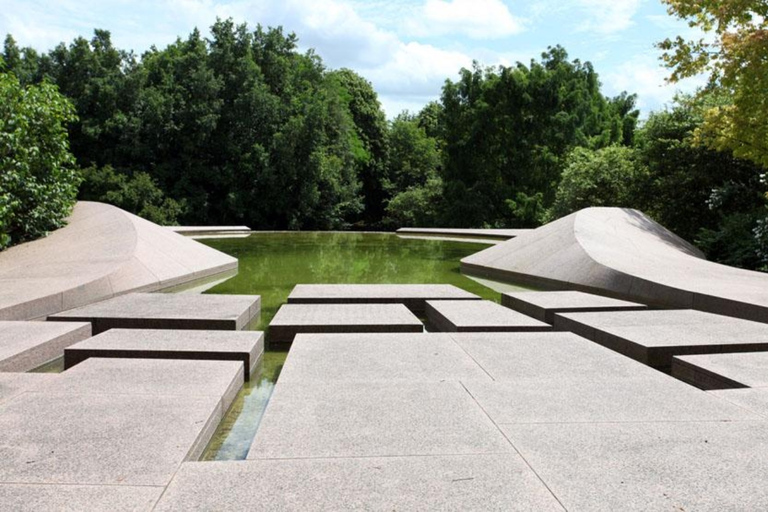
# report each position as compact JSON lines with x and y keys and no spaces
{"x":271,"y":264}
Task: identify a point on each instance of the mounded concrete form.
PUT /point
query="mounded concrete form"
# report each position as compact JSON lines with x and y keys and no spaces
{"x":723,"y":371}
{"x":167,"y":311}
{"x":245,"y":346}
{"x":101,"y":253}
{"x":479,"y":316}
{"x":413,"y":296}
{"x":624,"y":254}
{"x":544,"y":305}
{"x":25,"y":346}
{"x":293,"y":319}
{"x":654,"y":337}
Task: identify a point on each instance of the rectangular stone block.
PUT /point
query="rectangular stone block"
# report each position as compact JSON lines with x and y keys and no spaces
{"x":11,"y":384}
{"x":723,"y":371}
{"x":370,"y":419}
{"x":479,"y":316}
{"x":292,"y":319}
{"x":543,"y":305}
{"x":167,"y":311}
{"x":77,"y":498}
{"x":752,"y":399}
{"x":490,"y":482}
{"x":245,"y":346}
{"x":421,"y":357}
{"x":28,"y":345}
{"x":413,"y":296}
{"x":650,"y":465}
{"x":654,"y":337}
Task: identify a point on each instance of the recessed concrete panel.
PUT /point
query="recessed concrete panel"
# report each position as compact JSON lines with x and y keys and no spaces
{"x":27,"y":345}
{"x":11,"y":384}
{"x":649,"y":466}
{"x":723,"y":371}
{"x":368,"y":419}
{"x":159,"y":377}
{"x":412,"y":296}
{"x":245,"y":346}
{"x":167,"y":311}
{"x":654,"y":337}
{"x":292,"y":319}
{"x":105,"y":439}
{"x":77,"y":498}
{"x":543,"y":305}
{"x":553,"y":355}
{"x":479,"y":316}
{"x":489,"y":482}
{"x":421,"y":357}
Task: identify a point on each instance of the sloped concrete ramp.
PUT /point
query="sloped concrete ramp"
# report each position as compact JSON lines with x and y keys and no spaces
{"x":102,"y":252}
{"x":624,"y":254}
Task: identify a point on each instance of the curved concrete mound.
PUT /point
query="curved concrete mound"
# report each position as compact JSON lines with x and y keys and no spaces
{"x":101,"y":253}
{"x":624,"y":254}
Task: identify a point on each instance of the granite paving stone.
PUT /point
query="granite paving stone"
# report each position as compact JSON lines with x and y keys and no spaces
{"x":701,"y":466}
{"x":167,"y":311}
{"x":28,"y":345}
{"x":479,"y":316}
{"x":11,"y":384}
{"x":378,"y":357}
{"x":245,"y":346}
{"x":723,"y":371}
{"x":654,"y":337}
{"x":292,"y":319}
{"x":77,"y":498}
{"x":753,"y":399}
{"x":411,"y":295}
{"x":340,"y":419}
{"x":487,"y":482}
{"x":160,"y":377}
{"x":102,"y":439}
{"x":543,"y":305}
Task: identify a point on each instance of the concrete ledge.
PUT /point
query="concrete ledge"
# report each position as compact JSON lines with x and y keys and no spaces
{"x":623,"y":254}
{"x":543,"y":305}
{"x":479,"y":316}
{"x":167,"y":311}
{"x":25,"y":346}
{"x":245,"y":346}
{"x":102,"y":252}
{"x":210,"y":231}
{"x":723,"y":371}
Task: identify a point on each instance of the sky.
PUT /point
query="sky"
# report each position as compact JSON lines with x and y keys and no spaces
{"x":405,"y":48}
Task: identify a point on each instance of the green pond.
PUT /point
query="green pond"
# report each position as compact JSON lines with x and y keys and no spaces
{"x":271,"y":264}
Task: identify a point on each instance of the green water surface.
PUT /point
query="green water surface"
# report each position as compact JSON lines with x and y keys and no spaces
{"x":271,"y":264}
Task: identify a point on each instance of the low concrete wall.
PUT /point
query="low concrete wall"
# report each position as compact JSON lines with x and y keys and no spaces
{"x":102,"y":252}
{"x":623,"y":253}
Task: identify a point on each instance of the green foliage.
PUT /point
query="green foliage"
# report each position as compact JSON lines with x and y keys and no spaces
{"x":38,"y":180}
{"x":417,"y":206}
{"x":610,"y":176}
{"x":137,"y":194}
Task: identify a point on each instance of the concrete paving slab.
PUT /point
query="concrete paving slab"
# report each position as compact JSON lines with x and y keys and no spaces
{"x":423,"y":357}
{"x":490,"y":482}
{"x":753,"y":399}
{"x":102,"y":439}
{"x":543,"y":305}
{"x":723,"y":371}
{"x":553,"y":355}
{"x":479,"y":316}
{"x":369,"y":419}
{"x":562,"y":399}
{"x":167,"y":311}
{"x":77,"y":498}
{"x":245,"y":346}
{"x":160,"y":377}
{"x":11,"y":384}
{"x":413,"y":296}
{"x":292,"y":319}
{"x":654,"y":337}
{"x":28,"y":345}
{"x":649,"y":466}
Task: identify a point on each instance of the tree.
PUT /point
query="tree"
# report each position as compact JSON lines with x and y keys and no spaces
{"x":735,"y":59}
{"x":38,"y":179}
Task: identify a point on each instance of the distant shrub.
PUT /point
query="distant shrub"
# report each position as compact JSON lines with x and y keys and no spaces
{"x":38,"y":177}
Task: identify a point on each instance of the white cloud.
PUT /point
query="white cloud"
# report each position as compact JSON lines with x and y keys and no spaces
{"x":478,"y":19}
{"x":609,"y":16}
